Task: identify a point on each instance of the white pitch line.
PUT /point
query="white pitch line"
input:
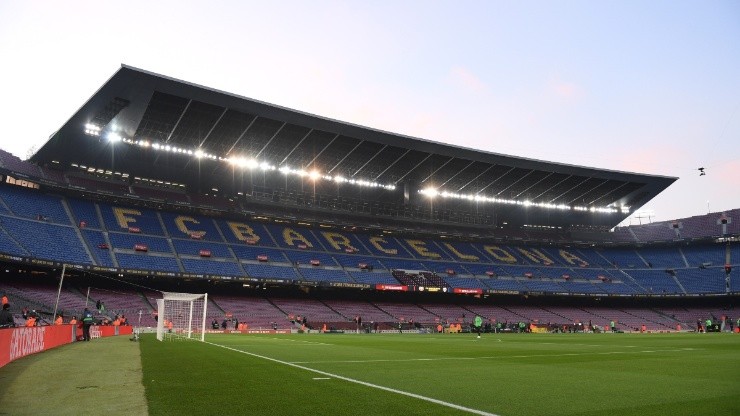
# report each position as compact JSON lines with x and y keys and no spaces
{"x":364,"y":383}
{"x":300,"y":341}
{"x":572,"y":354}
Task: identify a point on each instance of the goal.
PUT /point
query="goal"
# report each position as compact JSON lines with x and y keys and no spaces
{"x":181,"y":316}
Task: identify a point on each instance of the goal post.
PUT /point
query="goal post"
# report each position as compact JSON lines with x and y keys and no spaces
{"x":182,"y":316}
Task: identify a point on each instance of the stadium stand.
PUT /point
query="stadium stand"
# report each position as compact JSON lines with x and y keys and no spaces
{"x":270,"y":245}
{"x":98,"y":185}
{"x":15,"y":164}
{"x":36,"y":206}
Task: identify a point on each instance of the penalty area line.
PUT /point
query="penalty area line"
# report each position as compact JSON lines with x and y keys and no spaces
{"x":363,"y":383}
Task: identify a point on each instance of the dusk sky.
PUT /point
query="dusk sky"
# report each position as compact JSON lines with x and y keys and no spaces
{"x":640,"y":86}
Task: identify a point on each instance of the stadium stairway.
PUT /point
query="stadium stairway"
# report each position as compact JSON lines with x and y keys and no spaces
{"x":335,"y":310}
{"x":77,"y":231}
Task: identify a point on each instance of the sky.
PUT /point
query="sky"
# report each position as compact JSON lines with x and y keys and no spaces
{"x":639,"y":86}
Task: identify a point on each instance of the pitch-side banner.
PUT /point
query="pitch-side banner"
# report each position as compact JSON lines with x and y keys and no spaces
{"x":402,"y":288}
{"x":16,"y":343}
{"x":467,"y":291}
{"x":19,"y":342}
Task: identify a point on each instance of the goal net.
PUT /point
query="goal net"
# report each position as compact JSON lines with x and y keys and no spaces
{"x":181,"y":316}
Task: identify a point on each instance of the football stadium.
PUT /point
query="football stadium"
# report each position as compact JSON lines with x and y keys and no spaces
{"x":238,"y":257}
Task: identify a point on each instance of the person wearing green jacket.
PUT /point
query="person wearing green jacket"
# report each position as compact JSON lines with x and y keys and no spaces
{"x":477,"y":324}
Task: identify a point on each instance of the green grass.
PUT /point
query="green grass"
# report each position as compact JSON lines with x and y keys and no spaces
{"x":512,"y":374}
{"x":102,"y":377}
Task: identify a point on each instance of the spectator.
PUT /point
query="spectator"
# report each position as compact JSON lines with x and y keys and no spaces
{"x":5,"y":300}
{"x":59,"y":320}
{"x":6,"y":318}
{"x":87,"y":322}
{"x":73,"y":321}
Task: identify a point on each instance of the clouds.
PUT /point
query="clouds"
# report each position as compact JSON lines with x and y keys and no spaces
{"x":464,"y":78}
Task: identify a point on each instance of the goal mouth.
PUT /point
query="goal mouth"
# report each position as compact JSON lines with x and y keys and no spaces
{"x":181,"y":316}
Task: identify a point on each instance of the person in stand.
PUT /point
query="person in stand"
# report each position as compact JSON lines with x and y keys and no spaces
{"x":87,"y":322}
{"x":97,"y":305}
{"x":59,"y":320}
{"x":6,"y":318}
{"x":477,"y":324}
{"x":5,"y":300}
{"x":73,"y":321}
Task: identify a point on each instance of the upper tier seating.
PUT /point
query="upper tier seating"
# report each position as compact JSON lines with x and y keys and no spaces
{"x":34,"y":205}
{"x":14,"y":163}
{"x":47,"y":241}
{"x":34,"y":224}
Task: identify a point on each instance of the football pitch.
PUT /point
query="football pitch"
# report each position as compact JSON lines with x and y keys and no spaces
{"x":445,"y":374}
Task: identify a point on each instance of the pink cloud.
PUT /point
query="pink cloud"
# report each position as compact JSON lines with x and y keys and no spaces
{"x":464,"y":77}
{"x":566,"y":89}
{"x":727,"y":174}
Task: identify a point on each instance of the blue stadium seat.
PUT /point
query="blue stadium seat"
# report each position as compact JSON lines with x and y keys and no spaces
{"x":269,"y":271}
{"x":245,"y":252}
{"x":94,"y":239}
{"x":232,"y":230}
{"x":47,"y":241}
{"x":202,"y":266}
{"x":144,"y":261}
{"x":193,"y":223}
{"x":128,"y":241}
{"x":193,"y":248}
{"x":29,"y":203}
{"x":305,"y":257}
{"x":144,"y":219}
{"x":326,"y":275}
{"x":373,"y":278}
{"x":84,"y":211}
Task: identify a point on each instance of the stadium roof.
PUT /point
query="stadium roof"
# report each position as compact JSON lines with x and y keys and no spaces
{"x":154,"y":126}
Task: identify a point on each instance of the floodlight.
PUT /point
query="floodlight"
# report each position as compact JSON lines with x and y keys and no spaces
{"x":430,"y":192}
